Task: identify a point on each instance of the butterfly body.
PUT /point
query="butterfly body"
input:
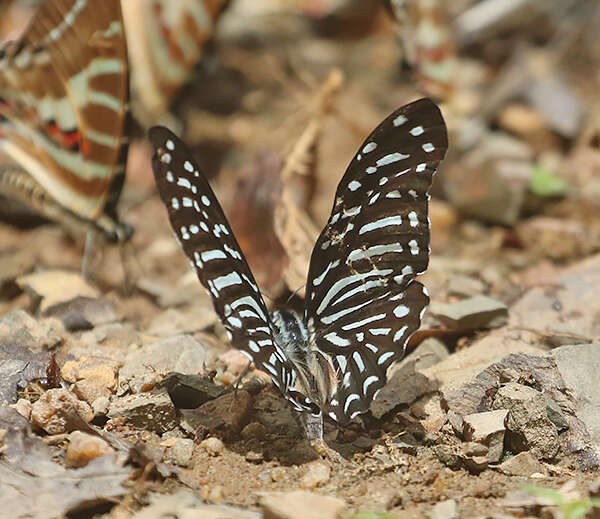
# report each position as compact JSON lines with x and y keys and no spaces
{"x":362,"y":300}
{"x":315,"y":375}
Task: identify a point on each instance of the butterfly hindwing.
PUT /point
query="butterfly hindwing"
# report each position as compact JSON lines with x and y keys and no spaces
{"x":362,"y":303}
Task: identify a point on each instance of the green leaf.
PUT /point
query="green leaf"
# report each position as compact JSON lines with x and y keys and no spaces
{"x":545,"y":184}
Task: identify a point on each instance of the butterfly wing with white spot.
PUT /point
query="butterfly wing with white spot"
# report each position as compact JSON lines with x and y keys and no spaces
{"x":362,"y":303}
{"x":204,"y":234}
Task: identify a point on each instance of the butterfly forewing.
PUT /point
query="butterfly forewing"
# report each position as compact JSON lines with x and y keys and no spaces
{"x":208,"y":241}
{"x":64,"y":97}
{"x":362,"y":303}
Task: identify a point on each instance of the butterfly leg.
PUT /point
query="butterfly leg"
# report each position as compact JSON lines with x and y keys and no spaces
{"x":313,"y":429}
{"x":88,"y":253}
{"x":244,"y":372}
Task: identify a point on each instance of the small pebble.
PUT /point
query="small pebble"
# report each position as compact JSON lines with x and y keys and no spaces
{"x":23,"y":407}
{"x":213,"y":446}
{"x":182,"y":451}
{"x":212,"y":495}
{"x":317,"y":473}
{"x":85,"y":447}
{"x":100,"y":406}
{"x":277,"y":474}
{"x":254,"y":457}
{"x":58,"y":411}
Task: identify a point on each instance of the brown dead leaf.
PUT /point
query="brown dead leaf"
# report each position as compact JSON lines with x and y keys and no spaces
{"x":35,"y":487}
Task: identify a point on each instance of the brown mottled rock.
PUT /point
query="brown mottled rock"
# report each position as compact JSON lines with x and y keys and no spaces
{"x":58,"y":411}
{"x":149,"y":411}
{"x":85,"y":447}
{"x":528,"y":425}
{"x":300,"y":504}
{"x":225,"y":415}
{"x":491,"y":181}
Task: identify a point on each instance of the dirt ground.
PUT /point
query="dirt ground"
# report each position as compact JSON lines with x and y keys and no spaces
{"x":242,"y":113}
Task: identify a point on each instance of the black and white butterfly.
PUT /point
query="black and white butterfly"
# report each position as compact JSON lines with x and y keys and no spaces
{"x":362,"y":300}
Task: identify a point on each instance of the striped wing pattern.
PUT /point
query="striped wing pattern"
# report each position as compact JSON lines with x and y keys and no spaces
{"x":167,"y":40}
{"x":362,"y":300}
{"x":362,"y":303}
{"x":204,"y":234}
{"x":64,"y":101}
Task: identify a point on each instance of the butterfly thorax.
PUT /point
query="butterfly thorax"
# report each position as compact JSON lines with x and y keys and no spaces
{"x":316,"y":378}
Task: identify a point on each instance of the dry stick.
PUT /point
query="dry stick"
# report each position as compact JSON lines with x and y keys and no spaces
{"x":294,"y":227}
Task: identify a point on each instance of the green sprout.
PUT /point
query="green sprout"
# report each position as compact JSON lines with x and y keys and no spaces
{"x":575,"y":509}
{"x":544,"y":183}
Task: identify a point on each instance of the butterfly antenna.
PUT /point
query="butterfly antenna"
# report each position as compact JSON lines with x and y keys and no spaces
{"x":295,"y":293}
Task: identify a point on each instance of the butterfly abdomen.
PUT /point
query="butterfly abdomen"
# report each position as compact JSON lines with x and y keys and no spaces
{"x":316,"y":378}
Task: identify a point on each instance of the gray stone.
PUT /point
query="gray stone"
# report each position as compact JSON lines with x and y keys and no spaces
{"x":182,"y":354}
{"x":488,"y":429}
{"x":190,"y":391}
{"x":477,"y":394}
{"x":523,"y":464}
{"x":405,"y":385}
{"x":491,"y":181}
{"x":19,"y":328}
{"x":528,"y":425}
{"x":558,"y":311}
{"x":225,"y":415}
{"x":429,"y":353}
{"x":469,"y":314}
{"x":465,"y":286}
{"x":148,"y":411}
{"x":579,"y":366}
{"x":276,"y":415}
{"x":474,"y":456}
{"x":555,"y":414}
{"x":84,"y":313}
